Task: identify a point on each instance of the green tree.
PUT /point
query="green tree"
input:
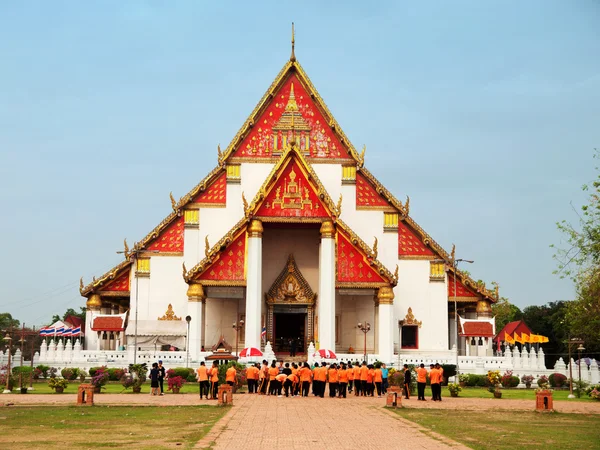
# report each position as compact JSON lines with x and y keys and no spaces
{"x":70,"y":312}
{"x":7,"y":321}
{"x":549,"y":320}
{"x":505,"y":312}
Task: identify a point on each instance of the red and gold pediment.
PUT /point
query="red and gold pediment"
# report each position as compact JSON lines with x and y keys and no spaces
{"x":462,"y":291}
{"x":291,"y":114}
{"x":367,"y":196}
{"x":170,"y":240}
{"x":293,"y":195}
{"x":228,"y":266}
{"x":355,"y":266}
{"x":214,"y":195}
{"x":410,"y":245}
{"x":119,"y":284}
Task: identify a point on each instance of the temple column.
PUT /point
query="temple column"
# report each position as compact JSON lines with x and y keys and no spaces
{"x":195,"y":310}
{"x":326,"y":302}
{"x":93,"y":304}
{"x":385,"y":324}
{"x":254,"y":285}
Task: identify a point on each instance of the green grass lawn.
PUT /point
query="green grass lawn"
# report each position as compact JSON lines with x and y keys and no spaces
{"x":525,"y":430}
{"x":522,"y":394}
{"x":113,"y":387}
{"x":104,"y":426}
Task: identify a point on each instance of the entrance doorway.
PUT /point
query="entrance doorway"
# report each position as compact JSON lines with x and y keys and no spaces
{"x":289,"y":332}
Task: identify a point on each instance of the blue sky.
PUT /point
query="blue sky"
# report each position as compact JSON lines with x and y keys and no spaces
{"x":485,"y":113}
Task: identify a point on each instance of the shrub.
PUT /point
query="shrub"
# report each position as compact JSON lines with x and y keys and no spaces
{"x":175,"y":382}
{"x":43,"y":370}
{"x":182,"y":372}
{"x":52,"y":372}
{"x":37,"y":373}
{"x":100,"y":377}
{"x":463,"y":378}
{"x":527,"y":379}
{"x":514,"y":381}
{"x":240,"y":370}
{"x":25,"y":370}
{"x":115,"y":374}
{"x":11,"y":379}
{"x":449,"y":370}
{"x":505,"y":380}
{"x":58,"y":382}
{"x":542,"y":381}
{"x":557,"y":380}
{"x":70,"y":373}
{"x":595,"y":393}
{"x":476,"y":380}
{"x":138,"y":371}
{"x":93,"y":371}
{"x":494,"y":377}
{"x":128,"y":381}
{"x":82,"y":375}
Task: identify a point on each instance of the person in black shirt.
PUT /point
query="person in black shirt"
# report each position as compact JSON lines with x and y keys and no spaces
{"x":161,"y":377}
{"x":154,"y":379}
{"x":406,"y":382}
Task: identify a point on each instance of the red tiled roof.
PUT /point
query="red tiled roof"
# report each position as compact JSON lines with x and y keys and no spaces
{"x":510,"y":328}
{"x":74,"y":321}
{"x":108,"y":324}
{"x":483,"y":329}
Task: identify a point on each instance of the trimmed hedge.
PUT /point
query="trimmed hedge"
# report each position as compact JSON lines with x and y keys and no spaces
{"x":70,"y":373}
{"x":115,"y":374}
{"x":557,"y":380}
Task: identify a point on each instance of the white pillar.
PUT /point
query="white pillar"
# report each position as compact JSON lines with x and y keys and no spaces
{"x":326,"y":300}
{"x":93,"y":304}
{"x":385,"y":325}
{"x":196,"y":298}
{"x":254,"y":285}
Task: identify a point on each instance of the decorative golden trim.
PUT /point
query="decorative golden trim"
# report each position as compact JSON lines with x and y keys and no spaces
{"x":253,"y":160}
{"x":267,"y":219}
{"x":358,"y":284}
{"x":158,"y":255}
{"x":437,"y":271}
{"x":410,"y":319}
{"x":418,"y":257}
{"x":290,"y":287}
{"x":463,"y":299}
{"x":224,"y":283}
{"x":114,"y":293}
{"x":327,"y":229}
{"x":375,"y":208}
{"x":191,"y":216}
{"x":196,"y":293}
{"x":94,"y":302}
{"x":385,"y":295}
{"x":342,"y":161}
{"x":255,"y":229}
{"x":105,"y":278}
{"x":170,"y":314}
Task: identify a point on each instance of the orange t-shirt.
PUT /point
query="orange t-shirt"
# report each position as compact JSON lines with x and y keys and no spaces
{"x":363,"y":373}
{"x":273,"y":372}
{"x":378,"y":376}
{"x":370,"y":375}
{"x":305,"y":374}
{"x":356,"y":372}
{"x":343,"y":375}
{"x":421,"y":375}
{"x":351,"y":374}
{"x":320,"y":374}
{"x":294,"y":371}
{"x":202,"y":373}
{"x":434,"y":376}
{"x":263,"y":372}
{"x":333,"y":375}
{"x":293,"y":378}
{"x":281,"y":377}
{"x":214,"y":374}
{"x":230,"y":374}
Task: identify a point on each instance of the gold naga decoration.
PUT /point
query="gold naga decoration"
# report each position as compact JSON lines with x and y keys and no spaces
{"x":496,"y":290}
{"x":184,"y":269}
{"x":219,"y":153}
{"x":339,"y":206}
{"x":81,"y":284}
{"x":173,"y":202}
{"x":361,"y":157}
{"x":407,"y":205}
{"x":453,"y":254}
{"x":396,"y":274}
{"x":206,"y":246}
{"x":245,"y":202}
{"x":410,"y":319}
{"x":125,"y":248}
{"x":170,"y":314}
{"x":375,"y":248}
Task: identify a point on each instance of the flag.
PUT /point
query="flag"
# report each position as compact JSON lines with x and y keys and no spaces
{"x":263,"y":333}
{"x":535,"y":339}
{"x":525,"y":338}
{"x":518,"y":338}
{"x":67,"y":332}
{"x":46,"y":331}
{"x":76,"y":331}
{"x":544,"y":339}
{"x":508,"y":339}
{"x":59,"y":331}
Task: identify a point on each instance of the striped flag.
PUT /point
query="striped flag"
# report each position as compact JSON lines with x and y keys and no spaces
{"x":67,"y":332}
{"x":59,"y":331}
{"x":76,"y":331}
{"x":46,"y":331}
{"x":263,"y":333}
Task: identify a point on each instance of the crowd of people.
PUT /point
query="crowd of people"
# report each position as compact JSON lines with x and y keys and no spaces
{"x":341,"y":379}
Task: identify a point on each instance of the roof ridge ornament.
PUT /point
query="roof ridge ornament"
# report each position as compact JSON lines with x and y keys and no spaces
{"x":293,"y":55}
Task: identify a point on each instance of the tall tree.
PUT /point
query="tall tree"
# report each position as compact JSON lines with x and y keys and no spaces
{"x":7,"y":321}
{"x":505,"y":312}
{"x":70,"y":312}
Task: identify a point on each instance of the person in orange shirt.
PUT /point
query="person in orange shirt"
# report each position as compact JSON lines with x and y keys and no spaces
{"x":343,"y":380}
{"x":357,"y":381}
{"x":230,"y":376}
{"x":214,"y":380}
{"x":289,"y":383}
{"x":434,"y":380}
{"x":332,"y":376}
{"x":320,"y":379}
{"x":252,"y":377}
{"x":305,"y":377}
{"x":370,"y":384}
{"x":378,"y":379}
{"x":421,"y":381}
{"x":350,"y":377}
{"x":439,"y":375}
{"x":263,"y":376}
{"x":295,"y":371}
{"x":202,"y":377}
{"x":364,"y":371}
{"x":273,"y":383}
{"x":280,"y":378}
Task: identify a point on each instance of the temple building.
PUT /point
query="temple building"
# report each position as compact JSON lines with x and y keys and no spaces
{"x":292,"y":240}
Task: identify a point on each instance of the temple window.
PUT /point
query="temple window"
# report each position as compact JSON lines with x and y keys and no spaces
{"x":410,"y":337}
{"x":348,"y":174}
{"x":143,"y":267}
{"x":390,"y":221}
{"x":437,"y":271}
{"x":192,"y":218}
{"x":234,"y":173}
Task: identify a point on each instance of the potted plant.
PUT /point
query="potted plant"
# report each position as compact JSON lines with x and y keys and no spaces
{"x":99,"y":379}
{"x":527,"y":379}
{"x":175,"y":384}
{"x":494,"y":379}
{"x":58,"y":384}
{"x":138,"y":371}
{"x":454,"y":389}
{"x":82,"y":375}
{"x":395,"y":380}
{"x":463,"y":378}
{"x":595,"y":394}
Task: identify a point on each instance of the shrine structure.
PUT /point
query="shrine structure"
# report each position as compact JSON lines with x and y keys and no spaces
{"x":292,"y":240}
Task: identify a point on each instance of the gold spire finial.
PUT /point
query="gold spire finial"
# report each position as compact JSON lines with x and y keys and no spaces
{"x":173,"y":202}
{"x":361,"y":157}
{"x":375,"y":248}
{"x":126,"y":252}
{"x":453,"y":254}
{"x":184,"y":269}
{"x":245,"y":202}
{"x":81,"y":284}
{"x":396,"y":274}
{"x":339,"y":206}
{"x":407,"y":205}
{"x":206,"y":246}
{"x":219,"y":152}
{"x":293,"y":56}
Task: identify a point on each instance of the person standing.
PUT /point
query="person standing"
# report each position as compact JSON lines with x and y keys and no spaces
{"x":357,"y":382}
{"x":264,"y":377}
{"x":378,"y":380}
{"x":154,"y":379}
{"x":370,"y":381}
{"x":421,"y":381}
{"x":407,"y":379}
{"x":293,"y":347}
{"x":350,"y":372}
{"x":202,"y":376}
{"x":320,"y":379}
{"x":384,"y":377}
{"x":434,"y":378}
{"x":364,"y":371}
{"x":273,"y":372}
{"x":343,"y":380}
{"x":214,"y":380}
{"x":305,"y":377}
{"x":440,"y":379}
{"x":230,"y":376}
{"x":333,"y":380}
{"x":161,"y":376}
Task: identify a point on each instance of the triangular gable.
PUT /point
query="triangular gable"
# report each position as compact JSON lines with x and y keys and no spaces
{"x":119,"y":284}
{"x":354,"y":266}
{"x":170,"y":240}
{"x":291,"y":113}
{"x":290,"y":286}
{"x":292,"y":191}
{"x":228,"y":266}
{"x":214,"y":195}
{"x":462,"y":291}
{"x":518,"y":326}
{"x":367,"y":196}
{"x":410,"y":245}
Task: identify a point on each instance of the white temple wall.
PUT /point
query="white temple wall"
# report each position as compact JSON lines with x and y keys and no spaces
{"x":349,"y":311}
{"x":330,"y":176}
{"x":166,"y":286}
{"x":428,"y":301}
{"x":220,"y":315}
{"x":253,"y":176}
